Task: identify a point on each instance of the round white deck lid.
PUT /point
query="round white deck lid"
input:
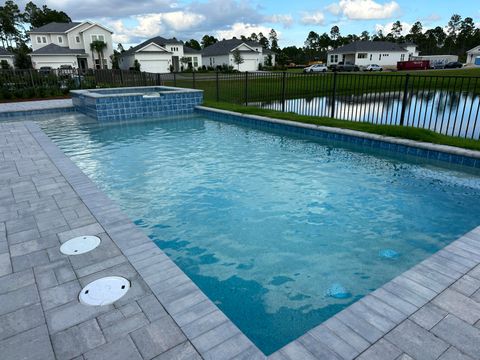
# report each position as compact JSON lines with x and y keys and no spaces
{"x":80,"y":245}
{"x":104,"y":291}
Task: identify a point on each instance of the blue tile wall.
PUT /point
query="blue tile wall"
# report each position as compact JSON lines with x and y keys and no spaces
{"x":372,"y":143}
{"x":120,"y":108}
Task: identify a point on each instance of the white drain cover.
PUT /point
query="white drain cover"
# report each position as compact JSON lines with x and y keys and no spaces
{"x":104,"y":291}
{"x":80,"y":245}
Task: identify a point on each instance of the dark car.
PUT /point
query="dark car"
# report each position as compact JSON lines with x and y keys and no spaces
{"x":453,"y":65}
{"x":341,"y":66}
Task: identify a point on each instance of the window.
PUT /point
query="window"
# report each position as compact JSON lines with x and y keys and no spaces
{"x":379,"y":56}
{"x":362,"y":55}
{"x":370,"y":57}
{"x":98,"y":37}
{"x":77,"y":39}
{"x":195,"y":61}
{"x":333,"y":58}
{"x":39,"y":40}
{"x":60,"y":40}
{"x":402,"y":57}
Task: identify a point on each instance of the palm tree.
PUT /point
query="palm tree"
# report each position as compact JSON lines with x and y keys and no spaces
{"x":98,"y":46}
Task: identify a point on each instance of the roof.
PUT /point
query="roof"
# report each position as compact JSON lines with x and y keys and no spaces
{"x":189,"y":50}
{"x":366,"y":46}
{"x":53,"y":49}
{"x":158,"y":40}
{"x":4,"y":52}
{"x":475,"y":49}
{"x":226,"y":46}
{"x":55,"y":27}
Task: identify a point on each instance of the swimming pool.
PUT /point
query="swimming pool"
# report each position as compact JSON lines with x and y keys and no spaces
{"x":280,"y":232}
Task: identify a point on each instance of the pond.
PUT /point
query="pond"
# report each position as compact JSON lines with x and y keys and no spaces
{"x":446,"y":112}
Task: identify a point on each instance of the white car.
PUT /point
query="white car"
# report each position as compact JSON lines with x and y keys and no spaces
{"x":373,"y":67}
{"x":316,"y":68}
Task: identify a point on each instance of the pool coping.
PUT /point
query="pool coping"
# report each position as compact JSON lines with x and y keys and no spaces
{"x":351,"y":133}
{"x":412,"y":287}
{"x":94,"y":93}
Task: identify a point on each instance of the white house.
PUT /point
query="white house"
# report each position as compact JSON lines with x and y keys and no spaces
{"x":68,"y":44}
{"x":7,"y":56}
{"x":222,"y":53}
{"x":473,"y":56}
{"x":363,"y":53}
{"x":159,"y":55}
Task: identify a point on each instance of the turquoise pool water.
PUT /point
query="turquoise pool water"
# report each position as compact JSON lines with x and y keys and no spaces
{"x":280,"y":232}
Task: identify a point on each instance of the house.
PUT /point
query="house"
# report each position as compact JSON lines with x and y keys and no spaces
{"x":473,"y":56}
{"x":363,"y":53}
{"x":222,"y":53}
{"x":160,"y":55}
{"x":58,"y":45}
{"x":7,"y":56}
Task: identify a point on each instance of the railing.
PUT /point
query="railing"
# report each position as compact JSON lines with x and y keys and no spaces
{"x":449,"y":105}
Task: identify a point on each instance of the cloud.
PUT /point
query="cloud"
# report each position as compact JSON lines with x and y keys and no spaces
{"x":285,"y":20}
{"x":316,"y":18}
{"x":387,"y":28}
{"x":239,"y":29}
{"x":364,"y":9}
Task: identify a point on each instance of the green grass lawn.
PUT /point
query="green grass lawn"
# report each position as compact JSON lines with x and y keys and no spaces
{"x":387,"y":130}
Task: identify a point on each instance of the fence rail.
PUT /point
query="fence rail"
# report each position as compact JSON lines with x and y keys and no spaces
{"x":449,"y":105}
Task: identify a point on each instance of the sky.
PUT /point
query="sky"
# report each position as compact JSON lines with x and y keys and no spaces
{"x":133,"y":21}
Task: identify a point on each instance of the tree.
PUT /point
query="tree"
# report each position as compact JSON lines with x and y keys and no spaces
{"x":184,"y":60}
{"x":40,"y":16}
{"x":397,"y":29}
{"x":208,"y":40}
{"x":237,"y":58}
{"x":10,"y":20}
{"x":454,"y":25}
{"x":120,"y":48}
{"x":272,"y":36}
{"x":22,"y":59}
{"x":253,"y":37}
{"x":193,"y":44}
{"x":365,"y":36}
{"x":136,"y":65}
{"x":263,"y":41}
{"x":98,"y":46}
{"x":335,"y":35}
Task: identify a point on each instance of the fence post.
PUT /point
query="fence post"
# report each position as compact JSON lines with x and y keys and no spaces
{"x":159,"y":79}
{"x":31,"y":78}
{"x":217,"y":86}
{"x":79,"y":73}
{"x":193,"y":78}
{"x":246,"y":88}
{"x":121,"y":77}
{"x":284,"y":85}
{"x":175,"y":79}
{"x":405,"y":99}
{"x":334,"y":95}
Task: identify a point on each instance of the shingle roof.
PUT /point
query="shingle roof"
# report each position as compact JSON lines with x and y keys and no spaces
{"x":53,"y":49}
{"x":4,"y":52}
{"x":225,"y":46}
{"x":55,"y":27}
{"x":189,"y":50}
{"x":160,"y":41}
{"x":368,"y":46}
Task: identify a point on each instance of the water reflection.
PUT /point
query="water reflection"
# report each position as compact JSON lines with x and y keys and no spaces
{"x":446,"y":112}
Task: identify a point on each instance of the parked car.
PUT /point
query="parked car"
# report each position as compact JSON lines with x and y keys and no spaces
{"x":413,"y":65}
{"x":453,"y":65}
{"x":45,"y":70}
{"x":315,"y":68}
{"x":374,"y":67}
{"x":347,"y":66}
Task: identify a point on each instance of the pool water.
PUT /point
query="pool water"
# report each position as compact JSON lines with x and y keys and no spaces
{"x":280,"y":232}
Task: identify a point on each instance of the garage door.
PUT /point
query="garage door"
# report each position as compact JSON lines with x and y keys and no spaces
{"x":249,"y":65}
{"x":154,"y":66}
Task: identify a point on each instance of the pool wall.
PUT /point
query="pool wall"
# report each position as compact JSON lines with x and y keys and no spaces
{"x":442,"y":153}
{"x":107,"y":105}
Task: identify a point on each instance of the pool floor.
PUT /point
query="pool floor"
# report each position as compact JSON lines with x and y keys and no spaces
{"x":280,"y":232}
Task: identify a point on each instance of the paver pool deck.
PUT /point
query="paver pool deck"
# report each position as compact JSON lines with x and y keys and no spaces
{"x":431,"y":311}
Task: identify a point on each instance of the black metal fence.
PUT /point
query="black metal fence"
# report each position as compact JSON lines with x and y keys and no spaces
{"x":449,"y":105}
